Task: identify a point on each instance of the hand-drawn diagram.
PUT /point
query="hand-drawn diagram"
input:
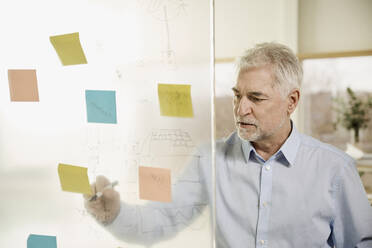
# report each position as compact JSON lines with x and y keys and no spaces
{"x":112,"y":154}
{"x":105,"y":151}
{"x":165,"y":11}
{"x":173,"y":149}
{"x":164,"y":148}
{"x":155,"y":8}
{"x":168,"y":53}
{"x":177,"y":142}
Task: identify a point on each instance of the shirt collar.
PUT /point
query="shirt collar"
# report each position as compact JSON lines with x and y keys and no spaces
{"x":288,"y":150}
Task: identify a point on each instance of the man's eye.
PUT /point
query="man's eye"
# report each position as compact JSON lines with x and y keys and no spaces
{"x":255,"y":99}
{"x":237,"y":96}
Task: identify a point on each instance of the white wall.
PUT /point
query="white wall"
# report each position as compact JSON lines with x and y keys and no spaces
{"x":334,"y":25}
{"x":242,"y":23}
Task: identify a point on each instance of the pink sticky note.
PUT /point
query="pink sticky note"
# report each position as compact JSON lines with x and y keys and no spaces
{"x":23,"y":86}
{"x":155,"y":184}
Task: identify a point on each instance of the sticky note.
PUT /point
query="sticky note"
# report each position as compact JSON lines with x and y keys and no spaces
{"x":74,"y":179}
{"x":23,"y":86}
{"x":101,"y":106}
{"x":41,"y":241}
{"x":155,"y":184}
{"x":69,"y":49}
{"x":175,"y":100}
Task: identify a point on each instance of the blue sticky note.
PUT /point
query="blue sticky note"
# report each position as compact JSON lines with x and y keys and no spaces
{"x":41,"y":241}
{"x":101,"y":106}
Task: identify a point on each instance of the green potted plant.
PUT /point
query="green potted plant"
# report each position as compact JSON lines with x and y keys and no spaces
{"x":353,"y":114}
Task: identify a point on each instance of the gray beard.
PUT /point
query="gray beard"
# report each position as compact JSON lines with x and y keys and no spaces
{"x":258,"y":135}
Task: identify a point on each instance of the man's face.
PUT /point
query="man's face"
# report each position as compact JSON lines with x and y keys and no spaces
{"x":260,"y":111}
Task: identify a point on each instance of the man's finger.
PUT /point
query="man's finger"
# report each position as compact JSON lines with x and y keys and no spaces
{"x":110,"y":194}
{"x":93,"y":188}
{"x":101,"y":183}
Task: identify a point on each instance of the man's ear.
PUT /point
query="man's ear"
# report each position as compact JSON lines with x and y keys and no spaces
{"x":293,"y":98}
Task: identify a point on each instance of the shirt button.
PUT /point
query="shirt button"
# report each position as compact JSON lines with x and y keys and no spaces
{"x":262,"y":241}
{"x":267,"y":167}
{"x":264,"y":204}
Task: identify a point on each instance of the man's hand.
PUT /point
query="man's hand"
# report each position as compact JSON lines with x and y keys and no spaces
{"x":105,"y":208}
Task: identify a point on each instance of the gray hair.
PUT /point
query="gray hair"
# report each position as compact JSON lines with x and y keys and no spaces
{"x":287,"y":69}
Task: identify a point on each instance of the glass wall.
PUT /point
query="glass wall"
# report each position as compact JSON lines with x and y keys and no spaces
{"x":121,"y":88}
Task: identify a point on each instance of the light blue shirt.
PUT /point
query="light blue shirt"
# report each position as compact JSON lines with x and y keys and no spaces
{"x":309,"y":194}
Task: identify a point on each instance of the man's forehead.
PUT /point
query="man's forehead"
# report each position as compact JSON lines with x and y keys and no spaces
{"x":260,"y":85}
{"x":257,"y":93}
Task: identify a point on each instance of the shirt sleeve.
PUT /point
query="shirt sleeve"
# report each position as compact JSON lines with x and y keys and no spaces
{"x":352,"y":224}
{"x":155,"y":221}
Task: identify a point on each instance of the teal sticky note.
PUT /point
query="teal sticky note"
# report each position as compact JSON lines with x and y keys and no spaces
{"x":101,"y":106}
{"x":41,"y":241}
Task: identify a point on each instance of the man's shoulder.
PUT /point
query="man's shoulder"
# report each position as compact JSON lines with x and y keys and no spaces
{"x":324,"y":150}
{"x":228,"y":142}
{"x":222,"y":144}
{"x":231,"y":139}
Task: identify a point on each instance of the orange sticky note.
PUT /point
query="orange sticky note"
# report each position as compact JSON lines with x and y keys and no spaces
{"x":23,"y":86}
{"x":155,"y":184}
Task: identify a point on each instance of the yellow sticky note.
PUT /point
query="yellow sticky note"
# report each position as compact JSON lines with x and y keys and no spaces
{"x":155,"y":184}
{"x":74,"y":179}
{"x":69,"y":49}
{"x":175,"y":100}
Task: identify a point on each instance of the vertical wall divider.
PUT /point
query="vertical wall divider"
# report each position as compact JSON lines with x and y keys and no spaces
{"x":213,"y":119}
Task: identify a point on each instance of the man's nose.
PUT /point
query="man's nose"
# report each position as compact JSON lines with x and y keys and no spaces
{"x":245,"y":106}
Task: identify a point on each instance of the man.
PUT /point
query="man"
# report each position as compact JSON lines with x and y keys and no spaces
{"x":275,"y":186}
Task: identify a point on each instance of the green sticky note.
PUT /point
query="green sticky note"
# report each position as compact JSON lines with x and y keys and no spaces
{"x":175,"y":100}
{"x":69,"y":49}
{"x":74,"y":179}
{"x":41,"y":241}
